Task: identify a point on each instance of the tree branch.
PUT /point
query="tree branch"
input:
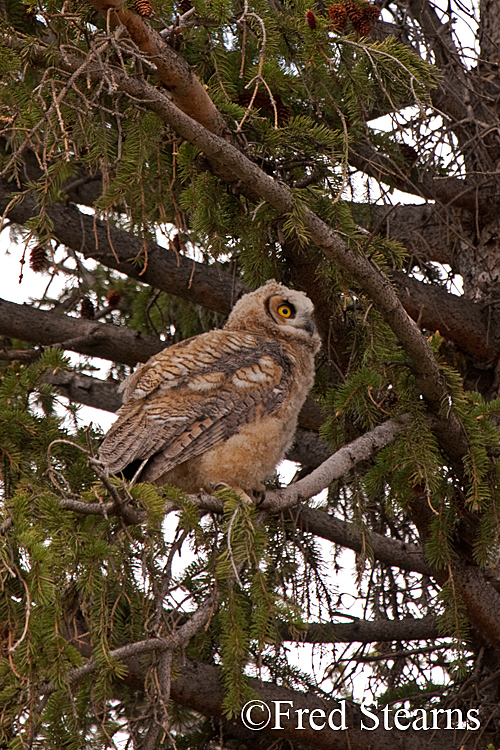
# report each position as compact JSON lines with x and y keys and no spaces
{"x":456,"y":318}
{"x":335,"y":467}
{"x":84,"y":389}
{"x":164,"y":269}
{"x":199,"y":687}
{"x":49,"y":328}
{"x":450,"y":191}
{"x":403,"y":555}
{"x":172,"y":69}
{"x":426,"y":231}
{"x":366,"y":631}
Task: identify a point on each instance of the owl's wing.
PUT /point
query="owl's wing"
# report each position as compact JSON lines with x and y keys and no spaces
{"x":192,"y":396}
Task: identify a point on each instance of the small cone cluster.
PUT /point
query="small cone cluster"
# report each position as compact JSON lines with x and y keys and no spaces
{"x":143,"y":8}
{"x":361,"y":15}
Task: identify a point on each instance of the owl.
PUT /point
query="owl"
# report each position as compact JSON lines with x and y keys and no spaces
{"x":220,"y":408}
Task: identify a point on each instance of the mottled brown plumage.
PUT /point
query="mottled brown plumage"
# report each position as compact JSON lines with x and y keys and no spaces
{"x":221,"y":407}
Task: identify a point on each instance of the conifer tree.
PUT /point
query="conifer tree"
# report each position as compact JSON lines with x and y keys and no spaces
{"x":162,"y":157}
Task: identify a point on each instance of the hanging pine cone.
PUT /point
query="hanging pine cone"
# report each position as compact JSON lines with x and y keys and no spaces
{"x":372,"y":12}
{"x":311,"y":19}
{"x":38,"y":258}
{"x":184,"y":6}
{"x":143,"y":8}
{"x":357,"y":16}
{"x":350,"y":6}
{"x":113,"y":297}
{"x":87,"y":309}
{"x":176,"y":243}
{"x":363,"y":27}
{"x":338,"y":16}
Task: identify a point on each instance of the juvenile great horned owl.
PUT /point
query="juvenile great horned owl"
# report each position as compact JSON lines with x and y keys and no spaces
{"x":220,"y":407}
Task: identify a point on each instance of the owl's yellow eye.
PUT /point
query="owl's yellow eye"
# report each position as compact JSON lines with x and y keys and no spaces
{"x":286,"y":310}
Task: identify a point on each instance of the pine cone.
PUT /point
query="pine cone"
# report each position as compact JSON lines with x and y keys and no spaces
{"x":87,"y":309}
{"x":176,"y":243}
{"x":356,"y":14}
{"x":184,"y":6}
{"x":363,"y":27}
{"x":409,"y":154}
{"x":113,"y":298}
{"x":143,"y":8}
{"x":372,"y":12}
{"x":338,"y":16}
{"x":311,"y":19}
{"x":38,"y":258}
{"x":350,"y":6}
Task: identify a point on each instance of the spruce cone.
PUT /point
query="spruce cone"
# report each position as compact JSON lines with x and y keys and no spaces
{"x":357,"y":15}
{"x":87,"y":309}
{"x":338,"y":16}
{"x":113,"y":298}
{"x":176,"y":243}
{"x":409,"y":154}
{"x":38,"y":258}
{"x":184,"y":6}
{"x":143,"y":8}
{"x":363,"y":27}
{"x":372,"y":12}
{"x":311,"y":19}
{"x":350,"y":6}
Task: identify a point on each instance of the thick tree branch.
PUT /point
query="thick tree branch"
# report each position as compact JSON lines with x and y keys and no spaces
{"x":335,"y":467}
{"x":84,"y":389}
{"x":427,"y":232}
{"x":172,"y":69}
{"x":470,"y":193}
{"x":460,"y":320}
{"x":457,"y":319}
{"x":199,"y":687}
{"x":366,"y":631}
{"x":164,"y":269}
{"x":468,"y":581}
{"x":403,"y":555}
{"x":48,"y":328}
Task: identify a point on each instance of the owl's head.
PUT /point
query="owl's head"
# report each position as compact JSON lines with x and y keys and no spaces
{"x":276,"y":309}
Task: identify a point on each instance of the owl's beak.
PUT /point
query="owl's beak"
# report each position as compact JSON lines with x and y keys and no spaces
{"x":309,"y":326}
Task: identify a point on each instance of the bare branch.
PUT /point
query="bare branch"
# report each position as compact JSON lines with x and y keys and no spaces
{"x":172,"y":272}
{"x":366,"y":631}
{"x":48,"y":328}
{"x":335,"y":467}
{"x":84,"y":389}
{"x":457,"y":319}
{"x":403,"y":555}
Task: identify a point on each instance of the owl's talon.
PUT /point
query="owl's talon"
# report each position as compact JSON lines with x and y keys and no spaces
{"x":259,"y":497}
{"x":222,"y":486}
